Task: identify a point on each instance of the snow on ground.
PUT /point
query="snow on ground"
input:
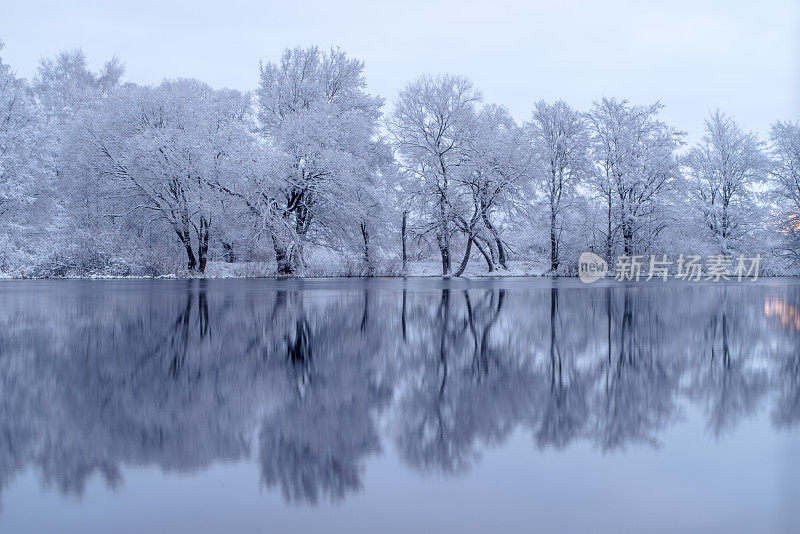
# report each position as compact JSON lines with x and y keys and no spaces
{"x":219,"y":269}
{"x":343,"y":268}
{"x":338,"y":267}
{"x":479,"y":269}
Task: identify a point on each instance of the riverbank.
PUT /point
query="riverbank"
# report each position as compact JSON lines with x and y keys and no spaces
{"x":420,"y":269}
{"x":417,"y":269}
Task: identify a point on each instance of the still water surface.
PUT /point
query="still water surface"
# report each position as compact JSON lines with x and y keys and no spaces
{"x":382,"y":406}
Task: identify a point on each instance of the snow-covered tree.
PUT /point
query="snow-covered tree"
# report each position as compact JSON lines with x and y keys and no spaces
{"x":723,"y":168}
{"x":22,"y":168}
{"x":315,"y":113}
{"x":431,"y":125}
{"x":100,"y":177}
{"x":63,"y":87}
{"x":635,"y":164}
{"x":64,"y":84}
{"x":170,"y":153}
{"x":490,"y":182}
{"x":559,"y":140}
{"x":785,"y":137}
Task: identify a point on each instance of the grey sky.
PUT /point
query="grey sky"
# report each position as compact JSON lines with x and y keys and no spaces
{"x":694,"y":56}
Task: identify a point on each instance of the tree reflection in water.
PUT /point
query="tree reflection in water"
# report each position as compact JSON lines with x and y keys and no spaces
{"x":311,"y":382}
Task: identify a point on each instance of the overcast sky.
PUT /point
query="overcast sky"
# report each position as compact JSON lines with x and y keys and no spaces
{"x":694,"y":56}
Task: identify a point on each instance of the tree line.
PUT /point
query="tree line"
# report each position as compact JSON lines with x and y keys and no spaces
{"x":103,"y":177}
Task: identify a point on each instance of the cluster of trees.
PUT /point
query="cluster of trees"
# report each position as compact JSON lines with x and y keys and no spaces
{"x":100,"y":176}
{"x":183,"y":376}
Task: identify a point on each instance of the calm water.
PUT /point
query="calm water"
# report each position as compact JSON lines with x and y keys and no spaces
{"x":384,"y":406}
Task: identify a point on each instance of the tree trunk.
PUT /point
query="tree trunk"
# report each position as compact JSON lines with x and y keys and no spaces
{"x":553,"y":243}
{"x":725,"y":227}
{"x":367,"y":253}
{"x":302,"y":222}
{"x":229,"y":255}
{"x":627,"y":234}
{"x":296,"y":257}
{"x":192,"y":265}
{"x":202,"y":247}
{"x":444,"y":236}
{"x":501,"y":253}
{"x":464,"y":262}
{"x":186,"y":240}
{"x":489,"y":259}
{"x":403,"y":242}
{"x":445,"y":259}
{"x":608,"y":235}
{"x":183,"y":229}
{"x":281,"y":257}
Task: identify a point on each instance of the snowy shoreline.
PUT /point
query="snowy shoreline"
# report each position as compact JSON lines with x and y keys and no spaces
{"x":471,"y":276}
{"x":333,"y":270}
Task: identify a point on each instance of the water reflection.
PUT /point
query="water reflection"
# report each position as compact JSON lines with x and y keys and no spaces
{"x":313,"y":382}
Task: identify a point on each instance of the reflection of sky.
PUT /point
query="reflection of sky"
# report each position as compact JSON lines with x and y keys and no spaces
{"x":746,"y":482}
